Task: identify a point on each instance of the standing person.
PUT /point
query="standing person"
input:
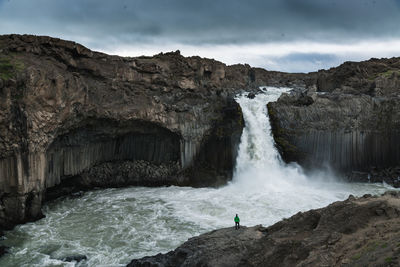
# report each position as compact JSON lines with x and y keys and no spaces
{"x":237,"y":221}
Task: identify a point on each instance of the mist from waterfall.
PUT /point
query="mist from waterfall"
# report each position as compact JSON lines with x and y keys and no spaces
{"x":113,"y":226}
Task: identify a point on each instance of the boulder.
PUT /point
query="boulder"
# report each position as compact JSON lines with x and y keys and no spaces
{"x":77,"y":258}
{"x":251,"y":95}
{"x":3,"y":250}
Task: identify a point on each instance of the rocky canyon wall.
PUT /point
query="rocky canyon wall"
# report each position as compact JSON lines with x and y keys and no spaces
{"x":71,"y":118}
{"x":349,"y":120}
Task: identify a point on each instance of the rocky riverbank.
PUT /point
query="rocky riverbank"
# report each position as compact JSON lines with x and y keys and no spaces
{"x":354,"y":232}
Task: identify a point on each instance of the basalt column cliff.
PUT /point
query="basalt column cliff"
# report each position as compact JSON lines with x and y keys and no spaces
{"x":72,"y":118}
{"x":349,"y":119}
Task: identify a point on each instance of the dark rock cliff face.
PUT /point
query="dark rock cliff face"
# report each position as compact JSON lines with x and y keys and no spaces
{"x":354,"y":232}
{"x":71,"y":119}
{"x":349,"y":119}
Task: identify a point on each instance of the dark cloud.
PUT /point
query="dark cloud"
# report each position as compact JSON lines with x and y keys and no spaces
{"x":109,"y":25}
{"x":315,"y":57}
{"x":206,"y":21}
{"x":301,"y":62}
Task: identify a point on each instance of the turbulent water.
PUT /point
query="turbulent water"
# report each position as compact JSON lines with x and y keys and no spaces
{"x":113,"y":226}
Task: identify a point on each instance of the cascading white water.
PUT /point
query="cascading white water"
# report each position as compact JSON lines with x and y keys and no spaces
{"x":256,"y":145}
{"x":259,"y":165}
{"x":113,"y":226}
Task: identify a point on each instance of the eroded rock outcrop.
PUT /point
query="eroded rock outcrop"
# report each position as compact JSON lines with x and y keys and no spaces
{"x":349,"y":119}
{"x":354,"y":232}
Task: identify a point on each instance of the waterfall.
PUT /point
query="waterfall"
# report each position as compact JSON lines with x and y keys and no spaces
{"x":257,"y":148}
{"x":258,"y":160}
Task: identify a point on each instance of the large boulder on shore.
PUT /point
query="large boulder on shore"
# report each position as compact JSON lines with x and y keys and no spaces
{"x":354,"y":232}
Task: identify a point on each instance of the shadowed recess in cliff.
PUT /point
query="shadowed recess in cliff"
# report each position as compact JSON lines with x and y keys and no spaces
{"x":350,"y":150}
{"x":105,"y":141}
{"x":216,"y":157}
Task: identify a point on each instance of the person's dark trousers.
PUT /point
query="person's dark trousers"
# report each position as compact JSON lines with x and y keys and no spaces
{"x":237,"y":226}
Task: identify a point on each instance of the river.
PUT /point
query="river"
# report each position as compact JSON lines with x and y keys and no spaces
{"x":113,"y":226}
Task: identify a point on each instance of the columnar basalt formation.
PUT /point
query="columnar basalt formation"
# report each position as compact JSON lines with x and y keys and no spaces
{"x":349,"y":119}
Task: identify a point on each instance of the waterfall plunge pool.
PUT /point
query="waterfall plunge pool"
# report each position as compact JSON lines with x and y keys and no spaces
{"x":113,"y":226}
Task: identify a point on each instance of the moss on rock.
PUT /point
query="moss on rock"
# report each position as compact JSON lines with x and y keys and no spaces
{"x":9,"y":68}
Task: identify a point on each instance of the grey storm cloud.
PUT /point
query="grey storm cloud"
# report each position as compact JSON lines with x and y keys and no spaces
{"x":294,"y":57}
{"x":295,"y":62}
{"x":286,"y":35}
{"x":205,"y":21}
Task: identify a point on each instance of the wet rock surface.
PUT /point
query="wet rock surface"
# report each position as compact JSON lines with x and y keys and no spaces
{"x":251,"y":95}
{"x":77,"y":258}
{"x":389,"y":175}
{"x":354,"y":232}
{"x":3,"y":250}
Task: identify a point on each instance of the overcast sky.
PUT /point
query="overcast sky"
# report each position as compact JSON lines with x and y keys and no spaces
{"x":286,"y":35}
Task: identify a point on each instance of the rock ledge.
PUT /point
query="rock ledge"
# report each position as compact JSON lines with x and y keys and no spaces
{"x":354,"y":232}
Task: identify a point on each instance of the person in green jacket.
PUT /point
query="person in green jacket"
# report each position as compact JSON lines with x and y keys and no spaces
{"x":237,"y":221}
